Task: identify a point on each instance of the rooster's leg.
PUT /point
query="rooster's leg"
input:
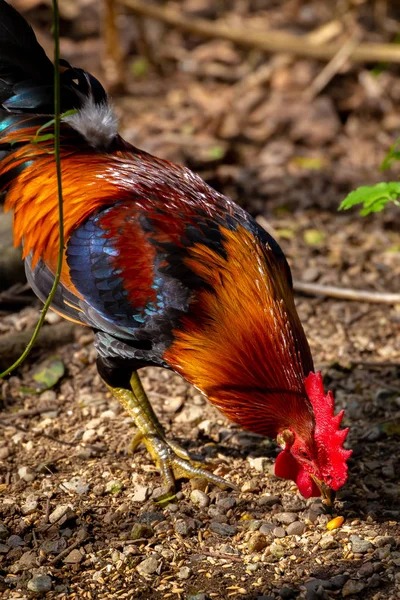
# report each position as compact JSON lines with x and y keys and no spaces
{"x":172,"y":460}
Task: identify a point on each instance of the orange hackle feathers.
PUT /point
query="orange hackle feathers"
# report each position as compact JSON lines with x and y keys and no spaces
{"x":34,"y":199}
{"x":242,"y":343}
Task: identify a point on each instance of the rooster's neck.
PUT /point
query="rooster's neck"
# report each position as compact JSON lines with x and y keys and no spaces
{"x":242,"y":344}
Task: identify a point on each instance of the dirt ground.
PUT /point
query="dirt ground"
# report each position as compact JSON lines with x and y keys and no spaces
{"x":78,"y":516}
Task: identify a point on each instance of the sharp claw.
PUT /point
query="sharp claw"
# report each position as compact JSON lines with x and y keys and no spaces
{"x":175,"y":463}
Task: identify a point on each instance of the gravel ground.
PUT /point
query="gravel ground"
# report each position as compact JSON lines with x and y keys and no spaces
{"x":78,"y":517}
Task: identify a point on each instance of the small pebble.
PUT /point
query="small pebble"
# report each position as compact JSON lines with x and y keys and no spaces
{"x":149,"y":566}
{"x":383,"y":552}
{"x":318,"y":508}
{"x":253,"y":524}
{"x":191,"y":414}
{"x":358,"y":545}
{"x":375,"y":581}
{"x":185,"y":527}
{"x":327,"y":542}
{"x":54,"y":546}
{"x":286,"y":517}
{"x":74,"y":557}
{"x":310,"y":515}
{"x":27,"y":561}
{"x":225,"y":549}
{"x":89,"y":435}
{"x":200,"y":498}
{"x":296,"y":528}
{"x":260,"y":464}
{"x":184,"y":573}
{"x":15,"y":541}
{"x":151,"y":517}
{"x":279,"y":532}
{"x":226,"y":504}
{"x":250,"y":486}
{"x":223,"y":529}
{"x":40,"y":584}
{"x":26,"y":474}
{"x":3,"y":532}
{"x":140,"y":494}
{"x":141,"y":530}
{"x":30,"y":505}
{"x":352,"y":587}
{"x":257,"y":542}
{"x":217,"y":515}
{"x":383,"y":540}
{"x":62,"y":513}
{"x":267,"y":529}
{"x":76,"y":485}
{"x":114,"y":486}
{"x":366,"y":570}
{"x":4,"y":453}
{"x":277,"y":550}
{"x":268,"y":500}
{"x":338,"y":581}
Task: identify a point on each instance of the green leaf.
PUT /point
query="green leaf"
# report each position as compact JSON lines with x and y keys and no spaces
{"x":313,"y":237}
{"x":140,"y":66}
{"x":165,"y":499}
{"x":285,"y":233}
{"x":309,"y":163}
{"x":42,"y":138}
{"x":49,"y":372}
{"x":216,"y":152}
{"x":373,"y":198}
{"x":391,"y":156}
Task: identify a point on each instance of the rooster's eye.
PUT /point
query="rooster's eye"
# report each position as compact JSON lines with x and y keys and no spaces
{"x":303,"y":453}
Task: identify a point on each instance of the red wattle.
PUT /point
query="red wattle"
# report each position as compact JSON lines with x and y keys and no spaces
{"x":287,"y":467}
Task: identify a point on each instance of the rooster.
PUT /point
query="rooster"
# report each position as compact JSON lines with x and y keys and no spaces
{"x":164,"y":269}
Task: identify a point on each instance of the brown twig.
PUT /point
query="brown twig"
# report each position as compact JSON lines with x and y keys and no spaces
{"x":81,"y":537}
{"x":32,"y":412}
{"x":316,"y":289}
{"x":331,"y":69}
{"x":230,"y":557}
{"x":267,"y":41}
{"x":114,"y":57}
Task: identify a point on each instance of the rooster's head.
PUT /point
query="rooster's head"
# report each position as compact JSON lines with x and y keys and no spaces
{"x":317,"y":463}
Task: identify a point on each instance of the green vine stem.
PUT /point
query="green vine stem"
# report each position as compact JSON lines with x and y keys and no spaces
{"x":57,"y":121}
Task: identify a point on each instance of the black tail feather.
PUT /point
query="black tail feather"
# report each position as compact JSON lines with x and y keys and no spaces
{"x":21,"y":56}
{"x":27,"y":74}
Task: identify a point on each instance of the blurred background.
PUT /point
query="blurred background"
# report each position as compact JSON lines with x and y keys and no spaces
{"x":285,"y":134}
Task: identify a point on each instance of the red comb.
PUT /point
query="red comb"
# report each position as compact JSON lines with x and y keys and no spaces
{"x":328,"y":436}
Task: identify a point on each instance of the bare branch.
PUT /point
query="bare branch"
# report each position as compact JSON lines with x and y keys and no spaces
{"x":268,"y":41}
{"x":315,"y":289}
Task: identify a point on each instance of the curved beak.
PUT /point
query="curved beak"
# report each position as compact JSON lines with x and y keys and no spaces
{"x":327,"y":494}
